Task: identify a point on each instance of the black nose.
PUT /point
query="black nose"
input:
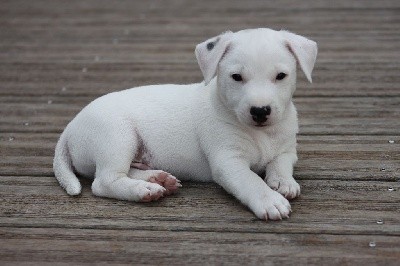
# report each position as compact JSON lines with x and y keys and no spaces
{"x":259,"y":114}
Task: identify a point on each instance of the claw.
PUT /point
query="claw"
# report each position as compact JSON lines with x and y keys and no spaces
{"x":146,"y":198}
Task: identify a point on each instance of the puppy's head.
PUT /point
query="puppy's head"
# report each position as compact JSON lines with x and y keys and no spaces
{"x":256,"y":71}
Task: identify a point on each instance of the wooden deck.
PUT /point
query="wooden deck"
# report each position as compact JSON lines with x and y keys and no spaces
{"x":57,"y":56}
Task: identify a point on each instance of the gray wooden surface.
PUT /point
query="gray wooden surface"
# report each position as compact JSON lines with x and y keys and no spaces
{"x":57,"y":56}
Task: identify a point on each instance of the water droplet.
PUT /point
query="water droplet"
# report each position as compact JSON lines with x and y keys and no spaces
{"x":26,"y":123}
{"x":11,"y":138}
{"x":372,"y":244}
{"x":379,"y":222}
{"x":383,"y":169}
{"x":49,"y":102}
{"x":97,"y":58}
{"x":63,"y":88}
{"x":390,"y":189}
{"x":115,"y":41}
{"x":84,"y":70}
{"x":391,"y":141}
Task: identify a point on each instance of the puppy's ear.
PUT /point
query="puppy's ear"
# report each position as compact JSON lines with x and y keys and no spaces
{"x":210,"y":52}
{"x":304,"y":50}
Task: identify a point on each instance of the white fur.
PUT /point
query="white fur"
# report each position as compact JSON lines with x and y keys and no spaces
{"x":202,"y":131}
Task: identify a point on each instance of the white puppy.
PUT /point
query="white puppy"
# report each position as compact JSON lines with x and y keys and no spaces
{"x":238,"y":123}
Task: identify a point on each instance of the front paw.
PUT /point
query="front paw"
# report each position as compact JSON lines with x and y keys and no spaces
{"x":271,"y":206}
{"x":287,"y":186}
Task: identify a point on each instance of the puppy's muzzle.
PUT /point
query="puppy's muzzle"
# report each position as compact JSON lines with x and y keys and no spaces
{"x":260,"y":114}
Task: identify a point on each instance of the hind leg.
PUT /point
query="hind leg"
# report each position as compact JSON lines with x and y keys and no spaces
{"x":114,"y":153}
{"x":120,"y":186}
{"x":164,"y":179}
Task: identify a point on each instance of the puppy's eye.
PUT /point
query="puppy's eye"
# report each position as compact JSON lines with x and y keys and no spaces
{"x":280,"y":76}
{"x":237,"y":77}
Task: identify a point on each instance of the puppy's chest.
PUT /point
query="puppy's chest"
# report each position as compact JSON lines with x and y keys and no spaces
{"x":264,"y":150}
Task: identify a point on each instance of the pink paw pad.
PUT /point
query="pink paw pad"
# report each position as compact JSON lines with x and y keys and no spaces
{"x":168,"y":181}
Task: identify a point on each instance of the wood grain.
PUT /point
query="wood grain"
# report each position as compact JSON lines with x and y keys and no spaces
{"x":57,"y":56}
{"x":147,"y":247}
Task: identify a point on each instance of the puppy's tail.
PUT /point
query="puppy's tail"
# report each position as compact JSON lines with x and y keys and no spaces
{"x":63,"y":170}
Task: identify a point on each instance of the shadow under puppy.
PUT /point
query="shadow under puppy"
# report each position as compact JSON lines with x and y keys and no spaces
{"x":239,"y":122}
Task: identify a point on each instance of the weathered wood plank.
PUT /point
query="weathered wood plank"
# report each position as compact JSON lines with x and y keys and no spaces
{"x":355,"y":116}
{"x":351,"y":207}
{"x":331,"y":79}
{"x":145,"y":247}
{"x":205,"y":15}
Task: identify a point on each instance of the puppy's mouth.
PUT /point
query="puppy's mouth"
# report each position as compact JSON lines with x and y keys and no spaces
{"x":260,"y":125}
